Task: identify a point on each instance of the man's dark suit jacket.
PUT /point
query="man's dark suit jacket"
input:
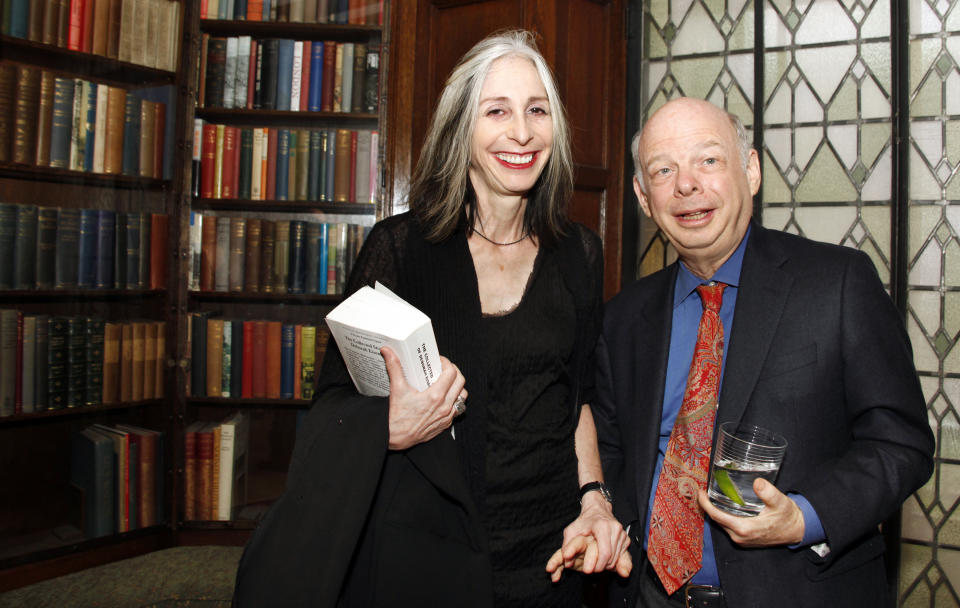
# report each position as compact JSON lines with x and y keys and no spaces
{"x":818,"y":353}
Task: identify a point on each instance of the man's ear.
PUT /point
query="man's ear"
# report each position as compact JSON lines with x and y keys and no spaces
{"x":753,"y":172}
{"x":641,"y":197}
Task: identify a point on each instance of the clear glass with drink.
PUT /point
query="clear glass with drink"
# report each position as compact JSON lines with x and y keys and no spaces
{"x":744,"y":452}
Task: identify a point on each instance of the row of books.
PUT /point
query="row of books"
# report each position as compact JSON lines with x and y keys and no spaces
{"x":259,"y":255}
{"x":144,"y":32}
{"x":71,"y":123}
{"x":71,"y":248}
{"x":289,"y":75}
{"x":215,"y":468}
{"x":54,"y":362}
{"x":119,"y":473}
{"x":253,"y":359}
{"x":269,"y":163}
{"x":356,"y":12}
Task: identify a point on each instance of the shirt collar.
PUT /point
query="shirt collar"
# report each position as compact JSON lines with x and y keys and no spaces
{"x":728,"y":273}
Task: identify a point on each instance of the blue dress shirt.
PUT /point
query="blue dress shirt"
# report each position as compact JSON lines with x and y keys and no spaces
{"x":687,"y":309}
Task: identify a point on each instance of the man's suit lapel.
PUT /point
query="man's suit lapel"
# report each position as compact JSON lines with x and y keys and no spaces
{"x":761,"y":298}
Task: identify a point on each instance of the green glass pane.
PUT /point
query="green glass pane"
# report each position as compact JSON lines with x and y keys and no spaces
{"x":926,"y":101}
{"x":656,"y":47}
{"x":659,"y":11}
{"x":874,"y":137}
{"x":808,"y":141}
{"x":738,"y":105}
{"x":923,"y":220}
{"x":774,"y":67}
{"x":952,"y":48}
{"x":944,"y":596}
{"x":953,"y":188}
{"x":951,"y":363}
{"x":924,"y":358}
{"x":697,"y":34}
{"x":844,"y":104}
{"x":952,"y":138}
{"x":876,"y":56}
{"x":922,"y":54}
{"x":877,"y":221}
{"x":926,"y":311}
{"x":716,"y":8}
{"x":878,"y":261}
{"x":951,"y":314}
{"x":775,"y":189}
{"x":776,"y":217}
{"x":877,"y":185}
{"x":914,"y":560}
{"x":915,"y":524}
{"x":696,"y":76}
{"x":923,"y":184}
{"x":740,"y":66}
{"x":952,"y":22}
{"x":742,"y":36}
{"x":826,"y":224}
{"x":949,"y":485}
{"x":844,"y":139}
{"x":951,"y":264}
{"x":825,"y":181}
{"x":873,"y":102}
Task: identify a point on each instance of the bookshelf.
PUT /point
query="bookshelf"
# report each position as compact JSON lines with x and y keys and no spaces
{"x":74,"y":196}
{"x":302,"y":200}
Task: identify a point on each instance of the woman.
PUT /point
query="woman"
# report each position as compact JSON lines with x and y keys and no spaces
{"x":386,"y":504}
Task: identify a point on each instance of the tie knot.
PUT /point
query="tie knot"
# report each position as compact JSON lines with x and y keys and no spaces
{"x":711,"y":296}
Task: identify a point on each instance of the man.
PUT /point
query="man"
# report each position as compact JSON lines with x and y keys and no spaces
{"x":792,"y":335}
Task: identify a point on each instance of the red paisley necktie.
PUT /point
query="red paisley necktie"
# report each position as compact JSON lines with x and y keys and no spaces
{"x":675,"y":546}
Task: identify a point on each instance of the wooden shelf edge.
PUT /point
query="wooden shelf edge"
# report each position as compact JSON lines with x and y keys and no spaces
{"x":90,"y":294}
{"x":255,"y":402}
{"x":77,"y":411}
{"x":344,"y":32}
{"x":271,"y":206}
{"x":246,"y":296}
{"x":77,"y":63}
{"x":66,"y":176}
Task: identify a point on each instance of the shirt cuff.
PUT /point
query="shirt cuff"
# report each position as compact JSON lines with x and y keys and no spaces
{"x":812,"y":528}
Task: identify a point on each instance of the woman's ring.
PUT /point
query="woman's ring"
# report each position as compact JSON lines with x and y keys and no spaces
{"x":459,"y":406}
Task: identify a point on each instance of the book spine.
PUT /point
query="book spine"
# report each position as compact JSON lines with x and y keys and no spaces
{"x":208,"y":252}
{"x":251,"y":263}
{"x":283,"y":165}
{"x":281,"y":256}
{"x":87,"y":249}
{"x":111,"y":363}
{"x":76,"y":361}
{"x":139,"y":360}
{"x":143,"y":260}
{"x":259,"y":360}
{"x":246,"y":363}
{"x":308,"y":361}
{"x":226,"y":364}
{"x":47,"y":218}
{"x":61,"y":125}
{"x":236,"y":358}
{"x":25,"y":249}
{"x":315,"y":96}
{"x":198,"y":356}
{"x":56,"y":363}
{"x":106,"y":232}
{"x":214,"y":357}
{"x":296,"y":281}
{"x":67,"y":248}
{"x":311,"y":256}
{"x":238,"y":246}
{"x":130,"y":164}
{"x":120,"y":252}
{"x":44,"y":116}
{"x":286,"y":361}
{"x":149,"y":359}
{"x":28,"y":352}
{"x":267,"y":242}
{"x":126,"y":362}
{"x":159,"y":233}
{"x":132,"y":241}
{"x":27,"y":98}
{"x":221,"y":273}
{"x":371,"y":80}
{"x":274,"y":341}
{"x":93,"y":377}
{"x":42,"y":345}
{"x":358,"y":89}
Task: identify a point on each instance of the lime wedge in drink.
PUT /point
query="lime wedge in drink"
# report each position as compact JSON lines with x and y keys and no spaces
{"x":726,"y":486}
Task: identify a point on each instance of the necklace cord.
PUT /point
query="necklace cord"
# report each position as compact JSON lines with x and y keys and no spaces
{"x":493,"y":242}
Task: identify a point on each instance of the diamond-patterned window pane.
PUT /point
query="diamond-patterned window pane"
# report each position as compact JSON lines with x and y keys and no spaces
{"x":827,"y":165}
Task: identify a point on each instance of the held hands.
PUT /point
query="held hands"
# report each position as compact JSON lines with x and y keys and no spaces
{"x":780,"y":522}
{"x":593,"y":542}
{"x":417,"y":416}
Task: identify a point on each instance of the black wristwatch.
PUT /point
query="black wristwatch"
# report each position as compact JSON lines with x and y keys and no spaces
{"x":599,"y":486}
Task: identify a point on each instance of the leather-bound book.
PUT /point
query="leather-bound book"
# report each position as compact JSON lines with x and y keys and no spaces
{"x":371,"y":81}
{"x":143,"y":261}
{"x":221,"y":270}
{"x":40,"y":362}
{"x":297,"y":264}
{"x":161,"y":358}
{"x":246,"y":380}
{"x":25,"y":115}
{"x":149,"y":359}
{"x":114,"y":131}
{"x":341,"y":176}
{"x":251,"y":264}
{"x":111,"y":363}
{"x":236,"y":358}
{"x":308,"y":357}
{"x":68,"y":248}
{"x":114,"y":18}
{"x":57,"y":363}
{"x":139,"y":358}
{"x":259,"y":360}
{"x":214,"y":357}
{"x":274,"y":339}
{"x":238,"y":252}
{"x":76,"y":361}
{"x":44,"y":116}
{"x":270,"y":193}
{"x":205,"y":449}
{"x":120,"y":252}
{"x":8,"y":79}
{"x":101,"y":23}
{"x":329,"y":69}
{"x":303,"y":165}
{"x":311,"y":254}
{"x":126,"y":362}
{"x":47,"y":218}
{"x":245,"y":163}
{"x":95,"y":344}
{"x":87,"y":250}
{"x":190,"y":470}
{"x":228,"y":171}
{"x":287,"y":359}
{"x":208,"y":162}
{"x":25,"y":248}
{"x":148,"y":124}
{"x":359,"y":77}
{"x":267,"y":247}
{"x":208,"y":252}
{"x":159,"y":139}
{"x":106,"y":233}
{"x":281,"y":256}
{"x":130,"y":163}
{"x":61,"y":125}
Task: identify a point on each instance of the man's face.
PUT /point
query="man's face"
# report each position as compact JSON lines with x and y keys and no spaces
{"x":696,"y":188}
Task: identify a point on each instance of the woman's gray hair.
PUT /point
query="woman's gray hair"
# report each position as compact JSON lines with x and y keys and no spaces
{"x":743,"y":147}
{"x":441,"y":188}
